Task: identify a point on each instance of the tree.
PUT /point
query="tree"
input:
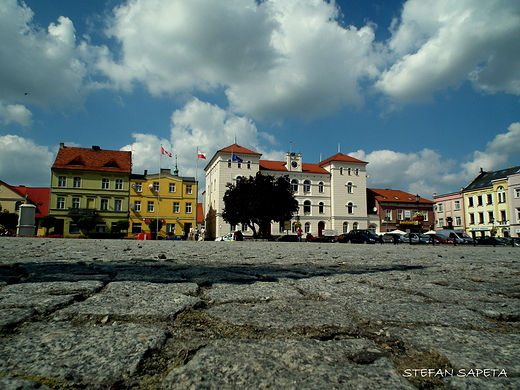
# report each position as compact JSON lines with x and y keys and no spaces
{"x":48,"y":222}
{"x":258,"y":201}
{"x":86,"y":223}
{"x":122,"y":224}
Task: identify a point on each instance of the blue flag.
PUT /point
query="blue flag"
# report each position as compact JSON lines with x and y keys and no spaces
{"x":234,"y":157}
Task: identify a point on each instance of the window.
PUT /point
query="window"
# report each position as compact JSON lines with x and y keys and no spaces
{"x":75,"y":203}
{"x":321,"y":187}
{"x":491,"y":217}
{"x":350,"y":208}
{"x":138,"y":187}
{"x":388,"y":215}
{"x":341,"y":170}
{"x":307,"y":207}
{"x":503,"y":215}
{"x":60,"y":203}
{"x":294,"y":185}
{"x":470,"y":201}
{"x":471,"y":219}
{"x":349,"y":172}
{"x":355,"y":226}
{"x":172,"y":187}
{"x":399,"y":215}
{"x":188,"y":208}
{"x":517,"y":192}
{"x":137,"y":228}
{"x":321,"y":208}
{"x":281,"y":227}
{"x":307,"y":228}
{"x":62,"y":181}
{"x":104,"y":204}
{"x":229,"y":163}
{"x":350,"y":188}
{"x":105,"y":184}
{"x":441,"y":222}
{"x":151,"y":207}
{"x":74,"y":228}
{"x":440,"y":208}
{"x":307,"y":186}
{"x":457,"y":205}
{"x":101,"y":228}
{"x":244,"y":227}
{"x":137,"y":206}
{"x":119,"y":184}
{"x":458,"y":221}
{"x":239,"y":164}
{"x":480,"y":202}
{"x":189,"y":189}
{"x":501,"y":195}
{"x":249,"y":165}
{"x":176,"y":207}
{"x":118,"y":205}
{"x":481,"y":218}
{"x":170,"y":228}
{"x":345,"y":227}
{"x":155,"y":186}
{"x":76,"y":183}
{"x":356,"y":171}
{"x":489,"y":198}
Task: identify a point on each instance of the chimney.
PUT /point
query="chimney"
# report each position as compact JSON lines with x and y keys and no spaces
{"x":96,"y":148}
{"x":62,"y":145}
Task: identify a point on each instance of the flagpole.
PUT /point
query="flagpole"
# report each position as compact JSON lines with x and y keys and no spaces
{"x":158,"y":197}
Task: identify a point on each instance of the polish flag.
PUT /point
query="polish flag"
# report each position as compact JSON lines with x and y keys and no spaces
{"x":165,"y":152}
{"x":201,"y":155}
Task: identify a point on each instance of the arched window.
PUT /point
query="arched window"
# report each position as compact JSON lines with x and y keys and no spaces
{"x":350,"y":188}
{"x":341,"y":170}
{"x":501,"y":195}
{"x":307,"y":227}
{"x":229,"y":163}
{"x":307,"y":186}
{"x":350,"y":208}
{"x":357,"y":171}
{"x":249,"y":165}
{"x":345,"y":227}
{"x":321,"y":187}
{"x":355,"y":226}
{"x":307,"y":207}
{"x":294,"y":185}
{"x":321,"y":208}
{"x":349,"y":171}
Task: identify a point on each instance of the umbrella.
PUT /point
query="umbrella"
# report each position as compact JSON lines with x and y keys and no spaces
{"x":397,"y":232}
{"x":431,"y":232}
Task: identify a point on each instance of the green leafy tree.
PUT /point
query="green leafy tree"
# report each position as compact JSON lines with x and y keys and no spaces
{"x":122,"y":224}
{"x":86,"y":224}
{"x":155,"y":225}
{"x":48,"y":222}
{"x":257,"y":201}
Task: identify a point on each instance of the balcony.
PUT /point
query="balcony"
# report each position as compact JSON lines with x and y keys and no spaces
{"x":82,"y":212}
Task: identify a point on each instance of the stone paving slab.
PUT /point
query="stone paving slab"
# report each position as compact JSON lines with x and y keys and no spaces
{"x":93,"y":356}
{"x":154,"y":315}
{"x":287,"y":364}
{"x":131,"y":301}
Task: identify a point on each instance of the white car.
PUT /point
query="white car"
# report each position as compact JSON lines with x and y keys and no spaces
{"x":227,"y":237}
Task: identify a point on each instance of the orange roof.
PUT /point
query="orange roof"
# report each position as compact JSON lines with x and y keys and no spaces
{"x":397,"y":196}
{"x":38,"y":196}
{"x":235,"y":148}
{"x":281,"y":166}
{"x":341,"y":157}
{"x":94,"y":159}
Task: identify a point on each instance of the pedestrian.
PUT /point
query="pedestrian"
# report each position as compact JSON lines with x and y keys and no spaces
{"x":202,"y":234}
{"x":299,"y":232}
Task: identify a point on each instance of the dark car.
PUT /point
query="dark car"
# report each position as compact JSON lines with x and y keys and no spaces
{"x":359,"y":236}
{"x":489,"y":241}
{"x":311,"y":238}
{"x":443,"y":239}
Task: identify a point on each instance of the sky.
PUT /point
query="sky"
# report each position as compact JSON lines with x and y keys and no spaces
{"x":426,"y":91}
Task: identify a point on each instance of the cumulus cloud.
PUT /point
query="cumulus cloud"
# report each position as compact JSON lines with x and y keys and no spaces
{"x":22,"y":159}
{"x":441,"y":43}
{"x":37,"y":66}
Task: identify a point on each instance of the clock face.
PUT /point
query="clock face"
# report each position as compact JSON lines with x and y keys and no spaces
{"x":294,"y":164}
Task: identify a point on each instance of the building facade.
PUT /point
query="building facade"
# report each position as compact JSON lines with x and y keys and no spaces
{"x":399,"y":210}
{"x":166,"y":197}
{"x":513,"y":183}
{"x":449,"y":211}
{"x":486,"y":204}
{"x":89,"y":183}
{"x":331,"y":194}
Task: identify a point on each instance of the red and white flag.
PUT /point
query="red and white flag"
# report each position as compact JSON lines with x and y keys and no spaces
{"x":201,"y":155}
{"x":165,"y":152}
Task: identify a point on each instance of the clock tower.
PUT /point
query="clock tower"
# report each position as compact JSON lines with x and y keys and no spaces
{"x":294,"y":162}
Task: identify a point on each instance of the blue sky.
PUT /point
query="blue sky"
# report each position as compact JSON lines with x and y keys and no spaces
{"x":426,"y":91}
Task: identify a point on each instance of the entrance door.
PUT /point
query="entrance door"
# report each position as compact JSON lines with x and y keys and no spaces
{"x":187,"y":227}
{"x":321,"y":226}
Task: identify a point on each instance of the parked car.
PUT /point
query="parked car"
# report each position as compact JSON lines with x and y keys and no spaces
{"x":457,"y":235}
{"x":417,"y":238}
{"x":311,"y":238}
{"x":442,"y":239}
{"x":511,"y":241}
{"x":486,"y":240}
{"x":227,"y":237}
{"x":359,"y":236}
{"x":390,"y":238}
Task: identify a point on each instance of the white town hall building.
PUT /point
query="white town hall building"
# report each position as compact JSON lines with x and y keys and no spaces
{"x":331,"y":194}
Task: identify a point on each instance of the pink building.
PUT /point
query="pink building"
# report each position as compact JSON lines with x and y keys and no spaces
{"x":449,"y":211}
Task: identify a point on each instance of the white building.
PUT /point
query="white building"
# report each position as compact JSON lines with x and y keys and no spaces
{"x":331,"y":194}
{"x":514,"y":203}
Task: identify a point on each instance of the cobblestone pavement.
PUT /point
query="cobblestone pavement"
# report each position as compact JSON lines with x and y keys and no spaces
{"x":100,"y":314}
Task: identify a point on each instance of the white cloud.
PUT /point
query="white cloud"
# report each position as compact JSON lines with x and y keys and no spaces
{"x":24,"y":162}
{"x":440,"y":43}
{"x":16,"y":113}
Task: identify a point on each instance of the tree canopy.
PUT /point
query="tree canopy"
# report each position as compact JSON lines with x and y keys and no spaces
{"x":257,"y":201}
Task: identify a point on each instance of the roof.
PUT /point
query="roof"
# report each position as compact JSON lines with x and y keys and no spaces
{"x":267,"y":165}
{"x":38,"y":196}
{"x":485,"y":179}
{"x":235,"y":148}
{"x":341,"y":157}
{"x":200,"y":213}
{"x":94,"y":159}
{"x":396,"y":196}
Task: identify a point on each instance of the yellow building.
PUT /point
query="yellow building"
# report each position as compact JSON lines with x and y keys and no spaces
{"x":486,"y":204}
{"x":166,"y":197}
{"x":89,"y":183}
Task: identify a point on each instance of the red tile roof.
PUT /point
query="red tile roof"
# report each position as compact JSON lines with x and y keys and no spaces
{"x":235,"y":148}
{"x":281,"y":166}
{"x":396,"y":196}
{"x":93,"y":160}
{"x":38,"y":196}
{"x":341,"y":157}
